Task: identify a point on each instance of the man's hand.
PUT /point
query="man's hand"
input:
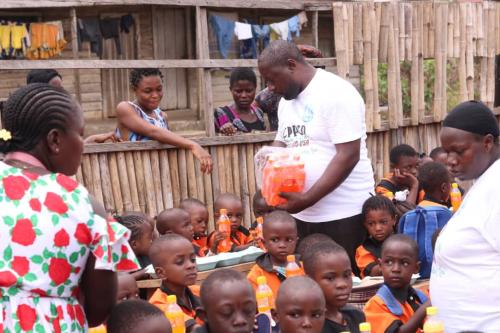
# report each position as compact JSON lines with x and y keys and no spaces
{"x":296,"y":202}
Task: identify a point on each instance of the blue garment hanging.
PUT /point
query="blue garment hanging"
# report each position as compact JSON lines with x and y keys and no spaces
{"x":261,"y":32}
{"x":293,"y":26}
{"x":224,"y":32}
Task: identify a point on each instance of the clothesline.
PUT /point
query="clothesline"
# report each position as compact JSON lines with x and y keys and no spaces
{"x":249,"y":34}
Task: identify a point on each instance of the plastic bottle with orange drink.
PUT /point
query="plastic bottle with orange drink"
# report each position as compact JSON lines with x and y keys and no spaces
{"x":175,"y":315}
{"x":224,"y":226}
{"x":292,"y":268}
{"x":455,"y":197}
{"x":433,"y":324}
{"x":259,"y":232}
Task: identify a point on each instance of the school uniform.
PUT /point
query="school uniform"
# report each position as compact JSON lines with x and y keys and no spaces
{"x":386,"y":186}
{"x":352,"y":318}
{"x":367,"y":255}
{"x":159,"y":299}
{"x":428,"y":201}
{"x":200,"y":251}
{"x":387,"y":312}
{"x":274,"y":275}
{"x":238,"y":238}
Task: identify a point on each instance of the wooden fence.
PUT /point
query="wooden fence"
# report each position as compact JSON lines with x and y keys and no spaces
{"x":369,"y":33}
{"x":150,"y":177}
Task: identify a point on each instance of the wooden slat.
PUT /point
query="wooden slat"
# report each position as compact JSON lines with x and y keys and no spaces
{"x":166,"y":63}
{"x":181,"y":156}
{"x":166,"y":181}
{"x":228,"y":169}
{"x":245,"y":193}
{"x":174,"y":176}
{"x":149,"y":185}
{"x":118,"y":183}
{"x":191,"y":176}
{"x":96,"y":174}
{"x":108,"y":200}
{"x":123,"y":179}
{"x":129,"y":160}
{"x":156,"y":175}
{"x":139,"y":172}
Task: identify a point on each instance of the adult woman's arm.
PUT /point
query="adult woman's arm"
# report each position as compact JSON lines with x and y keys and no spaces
{"x":99,"y":287}
{"x":129,"y":119}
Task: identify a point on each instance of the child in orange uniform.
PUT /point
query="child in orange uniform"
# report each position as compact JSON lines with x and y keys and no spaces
{"x":199,"y":220}
{"x":379,"y":219}
{"x":240,"y":236}
{"x":280,"y":239}
{"x":397,"y":307}
{"x":435,"y":180}
{"x":175,"y":264}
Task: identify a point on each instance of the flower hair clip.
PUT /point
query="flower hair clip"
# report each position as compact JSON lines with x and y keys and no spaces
{"x":5,"y":135}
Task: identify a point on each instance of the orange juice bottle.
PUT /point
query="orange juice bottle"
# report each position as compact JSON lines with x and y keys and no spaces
{"x":455,"y":197}
{"x":175,"y":315}
{"x":266,"y":173}
{"x":224,"y":226}
{"x":365,"y":328}
{"x":275,"y":185}
{"x":433,"y":324}
{"x":258,"y":231}
{"x":292,"y":269}
{"x":264,"y":296}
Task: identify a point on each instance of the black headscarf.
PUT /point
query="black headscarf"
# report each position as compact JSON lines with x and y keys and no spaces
{"x":41,"y":75}
{"x":474,"y":117}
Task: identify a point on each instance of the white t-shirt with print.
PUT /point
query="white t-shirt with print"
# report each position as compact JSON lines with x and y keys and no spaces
{"x":465,"y":278}
{"x":328,"y":111}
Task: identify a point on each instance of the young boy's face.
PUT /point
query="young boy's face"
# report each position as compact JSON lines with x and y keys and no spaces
{"x":143,"y":243}
{"x":398,"y":263}
{"x":407,"y":164}
{"x":234,"y":212}
{"x":260,"y":208}
{"x":379,"y":224}
{"x":178,"y":265}
{"x":334,"y":275}
{"x":233,"y":309}
{"x":199,"y":219}
{"x":302,"y":312}
{"x":184,"y":228}
{"x":280,"y":239}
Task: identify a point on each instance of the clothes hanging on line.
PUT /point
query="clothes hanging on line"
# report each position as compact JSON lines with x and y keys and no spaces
{"x":224,"y":33}
{"x":14,"y":40}
{"x":243,"y":30}
{"x":47,"y":40}
{"x":110,"y":28}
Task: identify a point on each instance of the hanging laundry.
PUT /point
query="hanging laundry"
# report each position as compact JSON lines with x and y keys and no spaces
{"x":294,"y":26}
{"x":110,"y":28}
{"x":89,"y":30}
{"x":261,"y":32}
{"x":224,"y":32}
{"x":302,"y":18}
{"x":47,"y":40}
{"x":248,"y":49}
{"x":280,"y":31}
{"x":126,"y":22}
{"x":5,"y":40}
{"x":243,"y":30}
{"x":14,"y":40}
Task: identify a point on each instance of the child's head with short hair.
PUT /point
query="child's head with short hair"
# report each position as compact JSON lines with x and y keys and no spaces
{"x":310,"y":240}
{"x":234,"y":208}
{"x":174,"y":260}
{"x":175,"y":221}
{"x":399,"y":261}
{"x":260,"y":206}
{"x":133,"y":316}
{"x":127,"y":287}
{"x":199,"y":215}
{"x":379,"y":217}
{"x":228,"y":302}
{"x":435,"y":180}
{"x":280,"y":236}
{"x":328,"y":264}
{"x":404,"y":158}
{"x":300,"y":306}
{"x":243,"y":84}
{"x":141,"y":231}
{"x":439,"y":155}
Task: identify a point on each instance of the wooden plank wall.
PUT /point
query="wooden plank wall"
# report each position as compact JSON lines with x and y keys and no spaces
{"x":151,"y":177}
{"x":370,"y":33}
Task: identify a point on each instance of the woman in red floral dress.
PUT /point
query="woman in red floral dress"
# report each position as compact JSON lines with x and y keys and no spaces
{"x":58,"y":254}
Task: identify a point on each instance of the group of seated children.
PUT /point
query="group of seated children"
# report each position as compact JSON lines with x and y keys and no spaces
{"x":316,"y":302}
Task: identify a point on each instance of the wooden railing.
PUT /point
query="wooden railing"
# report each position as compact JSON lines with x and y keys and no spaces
{"x":150,"y":177}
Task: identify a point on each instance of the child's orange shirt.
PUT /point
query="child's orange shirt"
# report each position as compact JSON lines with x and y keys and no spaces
{"x":240,"y":237}
{"x":264,"y":267}
{"x":367,"y":255}
{"x":386,"y":314}
{"x":159,"y":299}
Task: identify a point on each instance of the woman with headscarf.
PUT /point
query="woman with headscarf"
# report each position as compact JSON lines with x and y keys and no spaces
{"x":466,"y":269}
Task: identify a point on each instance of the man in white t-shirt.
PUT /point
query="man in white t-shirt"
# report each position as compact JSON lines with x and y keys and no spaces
{"x":325,"y":114}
